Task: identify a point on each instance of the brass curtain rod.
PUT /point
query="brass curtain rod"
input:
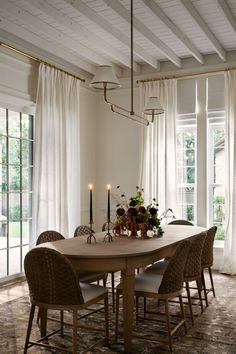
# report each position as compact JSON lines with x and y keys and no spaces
{"x":38,"y":60}
{"x":221,"y":71}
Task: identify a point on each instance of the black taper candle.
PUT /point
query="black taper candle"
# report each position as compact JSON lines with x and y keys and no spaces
{"x":108,"y":203}
{"x":91,"y":204}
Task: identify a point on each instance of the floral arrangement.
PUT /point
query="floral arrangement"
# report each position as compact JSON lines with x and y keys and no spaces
{"x":133,"y":218}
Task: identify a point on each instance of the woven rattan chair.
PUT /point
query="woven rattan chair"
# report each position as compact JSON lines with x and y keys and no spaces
{"x":164,"y":287}
{"x":207,"y":261}
{"x":86,"y":277}
{"x":192,"y":270}
{"x":82,"y":230}
{"x":53,"y":284}
{"x":180,"y":222}
{"x":49,"y":236}
{"x":89,"y":277}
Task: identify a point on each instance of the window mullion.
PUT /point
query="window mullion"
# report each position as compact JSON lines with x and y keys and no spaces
{"x":201,"y":190}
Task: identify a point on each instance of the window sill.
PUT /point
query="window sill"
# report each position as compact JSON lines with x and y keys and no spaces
{"x":219,"y":244}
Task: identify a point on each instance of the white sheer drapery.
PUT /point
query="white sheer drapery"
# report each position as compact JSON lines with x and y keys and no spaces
{"x":56,"y":177}
{"x":229,"y":259}
{"x":158,"y":174}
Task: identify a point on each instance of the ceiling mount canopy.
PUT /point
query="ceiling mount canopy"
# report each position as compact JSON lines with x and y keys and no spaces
{"x":106,"y":79}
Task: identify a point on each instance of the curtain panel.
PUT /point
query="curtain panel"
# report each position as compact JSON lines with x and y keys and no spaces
{"x":56,"y":177}
{"x":229,"y":258}
{"x":158,"y":173}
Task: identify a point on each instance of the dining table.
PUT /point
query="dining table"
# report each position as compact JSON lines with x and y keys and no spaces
{"x":125,"y":254}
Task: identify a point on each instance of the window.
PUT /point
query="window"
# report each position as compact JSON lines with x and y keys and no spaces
{"x":16,"y":167}
{"x":186,"y":160}
{"x":200,"y":151}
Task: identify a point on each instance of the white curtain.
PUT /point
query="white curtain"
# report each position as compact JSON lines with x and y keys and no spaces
{"x":56,"y":177}
{"x":158,"y":168}
{"x":229,"y":259}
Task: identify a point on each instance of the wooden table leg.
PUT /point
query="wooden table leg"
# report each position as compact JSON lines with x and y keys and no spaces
{"x":128,"y":306}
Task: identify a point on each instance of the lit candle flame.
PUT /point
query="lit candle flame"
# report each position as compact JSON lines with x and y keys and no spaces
{"x":108,"y":186}
{"x":90,"y":186}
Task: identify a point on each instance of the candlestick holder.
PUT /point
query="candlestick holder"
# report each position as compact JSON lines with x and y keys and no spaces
{"x":108,"y":237}
{"x":91,"y":238}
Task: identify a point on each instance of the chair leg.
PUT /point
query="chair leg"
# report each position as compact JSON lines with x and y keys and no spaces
{"x":113,"y":290}
{"x":168,"y":324}
{"x":31,"y":317}
{"x":38,"y":316}
{"x":117,"y":314}
{"x":189,"y":302}
{"x":106,"y":319}
{"x":204,"y":288}
{"x":199,"y":293}
{"x":144,"y":306}
{"x":212,"y":283}
{"x":137,"y":304}
{"x":182,"y":312}
{"x":74,"y":339}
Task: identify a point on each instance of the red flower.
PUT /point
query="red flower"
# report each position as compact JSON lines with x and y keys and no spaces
{"x":120,"y":211}
{"x":153,"y":211}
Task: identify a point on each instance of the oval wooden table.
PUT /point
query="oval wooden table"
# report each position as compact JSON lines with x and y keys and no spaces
{"x":123,"y":253}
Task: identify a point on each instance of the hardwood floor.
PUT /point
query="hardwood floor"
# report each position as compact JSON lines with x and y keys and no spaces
{"x":12,"y":291}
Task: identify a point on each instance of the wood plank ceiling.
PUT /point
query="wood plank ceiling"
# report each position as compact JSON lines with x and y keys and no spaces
{"x":82,"y":34}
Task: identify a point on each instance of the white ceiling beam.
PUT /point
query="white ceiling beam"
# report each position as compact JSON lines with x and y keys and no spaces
{"x":59,"y":38}
{"x":42,"y":46}
{"x":92,"y":39}
{"x":205,"y":29}
{"x":106,"y":26}
{"x":143,"y":30}
{"x":228,"y":13}
{"x":152,"y":5}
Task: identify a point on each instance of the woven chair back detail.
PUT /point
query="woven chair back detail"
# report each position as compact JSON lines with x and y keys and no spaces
{"x":51,"y":278}
{"x":207,"y":252}
{"x":82,"y":230}
{"x":172,"y":280}
{"x":105,"y":226}
{"x":193,"y":263}
{"x":180,"y":222}
{"x":49,"y":236}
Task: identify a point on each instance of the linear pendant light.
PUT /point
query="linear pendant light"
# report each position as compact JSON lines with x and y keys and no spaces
{"x":105,"y":79}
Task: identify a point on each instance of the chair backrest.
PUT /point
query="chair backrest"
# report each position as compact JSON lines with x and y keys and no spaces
{"x":51,"y":278}
{"x":172,"y":280}
{"x":193,"y":268}
{"x":82,"y":230}
{"x":49,"y":236}
{"x":207,"y":252}
{"x":180,"y":222}
{"x":105,"y":226}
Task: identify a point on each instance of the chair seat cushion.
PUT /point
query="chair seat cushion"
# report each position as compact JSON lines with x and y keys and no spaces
{"x":157,"y":268}
{"x":91,"y":291}
{"x":145,"y":282}
{"x":89,"y":276}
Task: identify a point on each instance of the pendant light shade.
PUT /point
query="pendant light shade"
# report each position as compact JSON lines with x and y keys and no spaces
{"x":105,"y":76}
{"x":106,"y":79}
{"x":153,"y":106}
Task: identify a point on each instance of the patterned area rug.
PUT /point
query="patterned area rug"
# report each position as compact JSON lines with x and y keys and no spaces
{"x":214,"y":331}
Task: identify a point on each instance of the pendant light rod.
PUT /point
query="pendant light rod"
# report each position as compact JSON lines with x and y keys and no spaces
{"x":132,"y":58}
{"x":106,"y":79}
{"x":124,"y":112}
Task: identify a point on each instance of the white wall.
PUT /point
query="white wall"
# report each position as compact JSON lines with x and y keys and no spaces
{"x":118,"y":152}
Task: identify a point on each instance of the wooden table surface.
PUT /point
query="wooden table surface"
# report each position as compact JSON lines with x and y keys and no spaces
{"x":125,"y":254}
